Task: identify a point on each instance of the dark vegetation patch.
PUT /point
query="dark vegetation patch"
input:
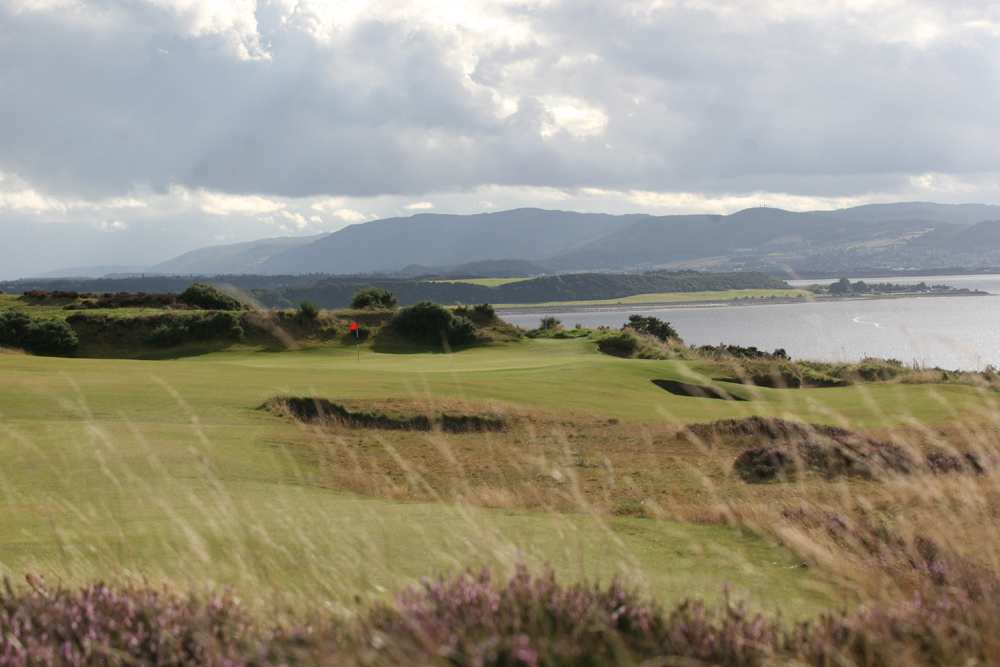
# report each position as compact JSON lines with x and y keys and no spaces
{"x":473,"y":619}
{"x":768,"y":428}
{"x":652,"y":326}
{"x":373,"y":298}
{"x":337,"y":293}
{"x":312,"y":409}
{"x":694,"y":390}
{"x":45,"y":337}
{"x":195,"y":296}
{"x":783,"y":448}
{"x":722,"y":351}
{"x":163,"y":330}
{"x":433,"y":324}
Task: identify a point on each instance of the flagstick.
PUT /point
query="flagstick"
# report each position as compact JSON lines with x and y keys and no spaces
{"x":357,"y":336}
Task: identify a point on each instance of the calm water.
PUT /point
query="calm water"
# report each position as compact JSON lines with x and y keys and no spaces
{"x":950,"y":332}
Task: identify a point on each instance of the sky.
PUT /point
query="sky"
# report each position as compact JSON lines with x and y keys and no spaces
{"x":134,"y":130}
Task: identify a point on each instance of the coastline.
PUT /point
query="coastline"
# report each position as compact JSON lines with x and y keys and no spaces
{"x":584,"y":306}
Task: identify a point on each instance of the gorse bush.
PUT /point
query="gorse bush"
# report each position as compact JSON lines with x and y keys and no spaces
{"x":484,"y":313}
{"x":209,"y":298}
{"x":740,"y":352}
{"x":308,"y":310}
{"x":14,"y":326}
{"x":223,"y":324}
{"x":374,"y":297}
{"x":431,"y":323}
{"x":52,"y":338}
{"x":652,"y":326}
{"x":44,"y":337}
{"x":168,"y":334}
{"x":485,"y":310}
{"x":172,"y":330}
{"x":550,"y":322}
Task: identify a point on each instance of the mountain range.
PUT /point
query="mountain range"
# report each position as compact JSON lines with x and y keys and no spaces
{"x":910,"y":234}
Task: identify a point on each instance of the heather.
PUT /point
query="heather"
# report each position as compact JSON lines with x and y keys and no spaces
{"x":475,"y":619}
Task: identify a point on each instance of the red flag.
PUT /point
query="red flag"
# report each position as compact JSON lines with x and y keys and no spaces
{"x":354,"y":326}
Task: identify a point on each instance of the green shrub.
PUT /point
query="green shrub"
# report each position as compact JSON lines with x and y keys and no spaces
{"x":52,"y":338}
{"x":461,"y":330}
{"x":652,"y":326}
{"x":308,"y":311}
{"x":372,"y":298}
{"x":549,"y":322}
{"x":430,"y":323}
{"x":486,"y":311}
{"x":14,"y":326}
{"x":359,"y":335}
{"x":44,"y":337}
{"x":209,"y":298}
{"x":219,"y":324}
{"x":168,"y":334}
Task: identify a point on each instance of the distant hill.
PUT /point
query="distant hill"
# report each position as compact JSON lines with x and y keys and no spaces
{"x":235,"y":258}
{"x":964,"y":239}
{"x":961,"y":214}
{"x":496,"y":268}
{"x":432,"y":239}
{"x":530,"y":241}
{"x":657,"y":241}
{"x":93,"y":271}
{"x":333,"y":294}
{"x":488,"y":268}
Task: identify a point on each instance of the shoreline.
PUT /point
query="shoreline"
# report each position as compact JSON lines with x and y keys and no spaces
{"x":538,"y":309}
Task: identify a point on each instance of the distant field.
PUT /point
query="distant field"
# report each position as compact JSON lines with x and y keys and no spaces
{"x":485,"y":282}
{"x":675,"y":297}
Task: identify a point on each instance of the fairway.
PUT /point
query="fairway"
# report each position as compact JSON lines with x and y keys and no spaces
{"x":168,"y":470}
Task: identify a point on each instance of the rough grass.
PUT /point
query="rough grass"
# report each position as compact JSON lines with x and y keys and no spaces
{"x":793,"y":374}
{"x":140,"y":470}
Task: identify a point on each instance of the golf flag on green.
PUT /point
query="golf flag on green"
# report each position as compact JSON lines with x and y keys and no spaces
{"x":357,"y":335}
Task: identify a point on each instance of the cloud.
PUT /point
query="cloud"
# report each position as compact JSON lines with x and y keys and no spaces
{"x":222,"y":204}
{"x":419,"y":206}
{"x":115,"y":226}
{"x":349,"y":215}
{"x":219,"y":114}
{"x":364,"y":99}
